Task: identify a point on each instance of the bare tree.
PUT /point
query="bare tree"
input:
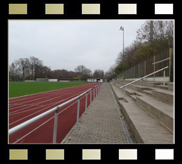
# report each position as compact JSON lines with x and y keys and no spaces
{"x":35,"y":65}
{"x":83,"y":71}
{"x":98,"y":74}
{"x":32,"y":68}
{"x":110,"y":74}
{"x":160,"y":30}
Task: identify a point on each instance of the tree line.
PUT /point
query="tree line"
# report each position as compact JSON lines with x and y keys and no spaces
{"x":32,"y":68}
{"x":151,"y":39}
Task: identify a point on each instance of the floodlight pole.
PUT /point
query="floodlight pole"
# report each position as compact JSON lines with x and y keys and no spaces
{"x":122,"y":28}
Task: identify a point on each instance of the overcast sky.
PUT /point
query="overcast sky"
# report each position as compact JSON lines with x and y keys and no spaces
{"x":65,"y":44}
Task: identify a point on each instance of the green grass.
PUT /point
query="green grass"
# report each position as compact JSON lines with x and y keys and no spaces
{"x":25,"y":88}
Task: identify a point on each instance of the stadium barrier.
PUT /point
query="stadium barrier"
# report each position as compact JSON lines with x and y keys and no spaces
{"x":95,"y":90}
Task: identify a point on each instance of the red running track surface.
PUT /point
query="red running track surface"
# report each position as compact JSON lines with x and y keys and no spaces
{"x":24,"y":108}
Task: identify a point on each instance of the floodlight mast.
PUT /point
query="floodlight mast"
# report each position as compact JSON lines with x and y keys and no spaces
{"x":122,"y":28}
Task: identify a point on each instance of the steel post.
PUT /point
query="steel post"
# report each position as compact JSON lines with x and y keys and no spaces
{"x":86,"y":102}
{"x":78,"y":109}
{"x":154,"y":68}
{"x":96,"y":91}
{"x":124,"y":93}
{"x":90,"y":96}
{"x":93,"y":94}
{"x":55,"y":125}
{"x":164,"y":77}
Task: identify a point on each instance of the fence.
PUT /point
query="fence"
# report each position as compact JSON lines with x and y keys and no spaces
{"x":147,"y":66}
{"x":92,"y":92}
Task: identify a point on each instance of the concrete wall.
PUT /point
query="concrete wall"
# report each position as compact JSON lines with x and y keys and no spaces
{"x":151,"y":79}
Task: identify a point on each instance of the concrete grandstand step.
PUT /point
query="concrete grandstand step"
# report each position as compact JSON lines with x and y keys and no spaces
{"x":116,"y":84}
{"x":159,"y":110}
{"x":139,"y":87}
{"x":170,"y":86}
{"x":144,"y":127}
{"x":162,"y":86}
{"x":163,"y":95}
{"x":117,"y":91}
{"x":147,"y":83}
{"x":159,"y":94}
{"x":148,"y":92}
{"x":132,"y":93}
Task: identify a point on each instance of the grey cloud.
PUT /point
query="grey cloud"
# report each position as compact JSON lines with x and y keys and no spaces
{"x":64,"y":44}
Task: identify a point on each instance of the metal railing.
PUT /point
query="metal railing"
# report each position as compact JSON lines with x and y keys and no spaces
{"x":163,"y":69}
{"x":160,"y":61}
{"x":95,"y":91}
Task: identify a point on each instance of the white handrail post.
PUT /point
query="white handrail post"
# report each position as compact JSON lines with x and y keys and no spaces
{"x":164,"y":77}
{"x":96,"y":91}
{"x":86,"y":102}
{"x":78,"y":109}
{"x":55,"y":125}
{"x":93,"y":94}
{"x":124,"y":93}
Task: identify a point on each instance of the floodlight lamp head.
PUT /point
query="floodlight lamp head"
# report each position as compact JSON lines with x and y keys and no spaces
{"x":121,"y":28}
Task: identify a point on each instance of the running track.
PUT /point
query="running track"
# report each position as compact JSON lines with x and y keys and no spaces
{"x":24,"y":108}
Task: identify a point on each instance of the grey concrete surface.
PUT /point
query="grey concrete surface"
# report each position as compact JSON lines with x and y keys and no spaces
{"x":145,"y":128}
{"x":99,"y":124}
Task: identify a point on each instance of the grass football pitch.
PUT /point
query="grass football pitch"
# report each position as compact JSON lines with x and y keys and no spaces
{"x":17,"y":89}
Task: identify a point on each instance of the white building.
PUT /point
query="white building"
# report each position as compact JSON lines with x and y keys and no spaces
{"x":42,"y":79}
{"x":46,"y":80}
{"x":94,"y":80}
{"x":53,"y":80}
